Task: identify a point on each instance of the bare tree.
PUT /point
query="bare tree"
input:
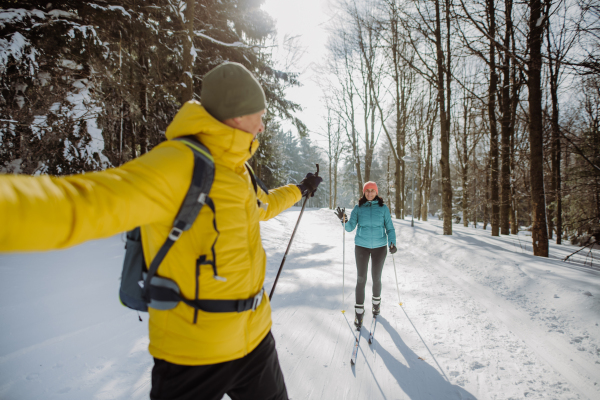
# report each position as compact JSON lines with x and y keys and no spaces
{"x":539,"y":230}
{"x":430,"y":28}
{"x":341,"y":65}
{"x":367,"y":43}
{"x":335,"y":149}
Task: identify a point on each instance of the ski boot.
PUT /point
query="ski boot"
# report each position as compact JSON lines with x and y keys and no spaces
{"x":359,"y":312}
{"x":376,"y":305}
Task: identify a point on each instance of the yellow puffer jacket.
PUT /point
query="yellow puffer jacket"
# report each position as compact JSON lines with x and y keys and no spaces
{"x":41,"y":213}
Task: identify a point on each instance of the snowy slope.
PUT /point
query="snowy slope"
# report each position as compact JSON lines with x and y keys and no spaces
{"x":481,"y":318}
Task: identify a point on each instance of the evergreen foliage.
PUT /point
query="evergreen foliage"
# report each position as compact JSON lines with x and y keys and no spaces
{"x":86,"y":85}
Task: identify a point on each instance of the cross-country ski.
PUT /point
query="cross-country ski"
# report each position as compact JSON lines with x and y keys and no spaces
{"x":372,"y":330}
{"x":355,"y":348}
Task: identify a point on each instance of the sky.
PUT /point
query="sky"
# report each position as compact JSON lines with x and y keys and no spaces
{"x":308,"y":20}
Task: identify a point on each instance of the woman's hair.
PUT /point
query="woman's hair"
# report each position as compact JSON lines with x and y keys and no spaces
{"x":363,"y":200}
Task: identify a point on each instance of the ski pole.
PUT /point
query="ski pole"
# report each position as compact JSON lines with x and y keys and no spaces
{"x":397,"y":290}
{"x":291,"y":239}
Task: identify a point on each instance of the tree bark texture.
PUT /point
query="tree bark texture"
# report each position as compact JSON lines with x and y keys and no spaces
{"x":493,"y":125}
{"x":539,"y":233}
{"x":427,"y":175}
{"x":143,"y":99}
{"x":556,"y":149}
{"x":506,"y":120}
{"x":444,"y":127}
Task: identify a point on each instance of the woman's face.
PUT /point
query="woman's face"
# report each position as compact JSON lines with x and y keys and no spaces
{"x":370,"y":194}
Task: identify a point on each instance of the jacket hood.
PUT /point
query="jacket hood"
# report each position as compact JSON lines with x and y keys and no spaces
{"x":228,"y":145}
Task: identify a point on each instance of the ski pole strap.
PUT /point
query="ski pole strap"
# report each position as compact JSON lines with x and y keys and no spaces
{"x":165,"y":294}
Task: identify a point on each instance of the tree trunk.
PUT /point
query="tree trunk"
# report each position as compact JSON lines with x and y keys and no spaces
{"x":539,"y":234}
{"x":427,"y":173}
{"x":465,"y":166}
{"x":398,"y":183}
{"x":493,"y":127}
{"x":331,"y":204}
{"x":133,"y":141}
{"x":187,"y":92}
{"x":555,"y":142}
{"x":143,"y":99}
{"x":486,"y":206}
{"x":335,"y":179}
{"x":506,"y":120}
{"x":513,"y":113}
{"x":444,"y":126}
{"x":399,"y":171}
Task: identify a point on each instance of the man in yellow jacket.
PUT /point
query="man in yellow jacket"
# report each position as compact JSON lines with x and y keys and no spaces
{"x":219,"y":353}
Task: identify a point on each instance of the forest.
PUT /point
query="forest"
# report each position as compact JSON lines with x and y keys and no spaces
{"x":479,"y":112}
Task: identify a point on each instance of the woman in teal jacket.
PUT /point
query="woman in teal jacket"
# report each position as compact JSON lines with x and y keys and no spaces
{"x":375,"y":232}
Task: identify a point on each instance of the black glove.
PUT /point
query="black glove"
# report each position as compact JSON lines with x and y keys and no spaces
{"x":341,"y":214}
{"x":308,"y":185}
{"x":393,"y":248}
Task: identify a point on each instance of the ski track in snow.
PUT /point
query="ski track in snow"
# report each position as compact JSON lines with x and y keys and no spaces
{"x":481,"y":319}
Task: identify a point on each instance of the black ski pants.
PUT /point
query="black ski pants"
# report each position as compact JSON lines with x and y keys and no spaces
{"x":256,"y":376}
{"x":362,"y":255}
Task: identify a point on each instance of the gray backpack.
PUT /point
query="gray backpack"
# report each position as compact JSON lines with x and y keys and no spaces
{"x":141,"y":287}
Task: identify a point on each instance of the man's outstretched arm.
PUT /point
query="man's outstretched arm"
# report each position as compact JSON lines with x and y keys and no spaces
{"x":278,"y":200}
{"x":43,"y":213}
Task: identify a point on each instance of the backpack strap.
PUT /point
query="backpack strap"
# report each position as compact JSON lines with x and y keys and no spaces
{"x":166,"y":291}
{"x":196,"y":197}
{"x":257,"y":183}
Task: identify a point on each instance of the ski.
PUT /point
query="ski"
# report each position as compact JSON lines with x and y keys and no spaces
{"x":372,"y":331}
{"x":355,"y":350}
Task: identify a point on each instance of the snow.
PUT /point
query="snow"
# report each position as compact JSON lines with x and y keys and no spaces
{"x":16,"y":15}
{"x":481,"y":318}
{"x":235,"y":44}
{"x":70,"y":64}
{"x":82,"y":107}
{"x":15,"y":48}
{"x":61,"y":14}
{"x":121,"y":9}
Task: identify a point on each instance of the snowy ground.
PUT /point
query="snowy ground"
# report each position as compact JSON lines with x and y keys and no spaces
{"x":481,"y":318}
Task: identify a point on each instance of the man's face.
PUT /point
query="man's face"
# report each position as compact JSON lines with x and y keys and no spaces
{"x":252,"y":123}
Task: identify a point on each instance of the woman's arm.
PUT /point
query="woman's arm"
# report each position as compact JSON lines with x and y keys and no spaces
{"x":389,"y":226}
{"x":351,"y":224}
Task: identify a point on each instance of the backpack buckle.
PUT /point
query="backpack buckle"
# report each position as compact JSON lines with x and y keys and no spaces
{"x":257,"y":299}
{"x":175,"y":234}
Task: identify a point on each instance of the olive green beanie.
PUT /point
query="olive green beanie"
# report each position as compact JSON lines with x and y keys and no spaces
{"x":230,"y":90}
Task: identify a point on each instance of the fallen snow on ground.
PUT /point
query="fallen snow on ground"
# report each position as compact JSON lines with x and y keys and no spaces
{"x":481,"y":318}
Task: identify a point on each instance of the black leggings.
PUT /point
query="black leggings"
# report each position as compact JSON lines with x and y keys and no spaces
{"x":362,"y":255}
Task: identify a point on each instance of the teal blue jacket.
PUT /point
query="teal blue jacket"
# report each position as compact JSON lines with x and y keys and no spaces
{"x":375,"y":227}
